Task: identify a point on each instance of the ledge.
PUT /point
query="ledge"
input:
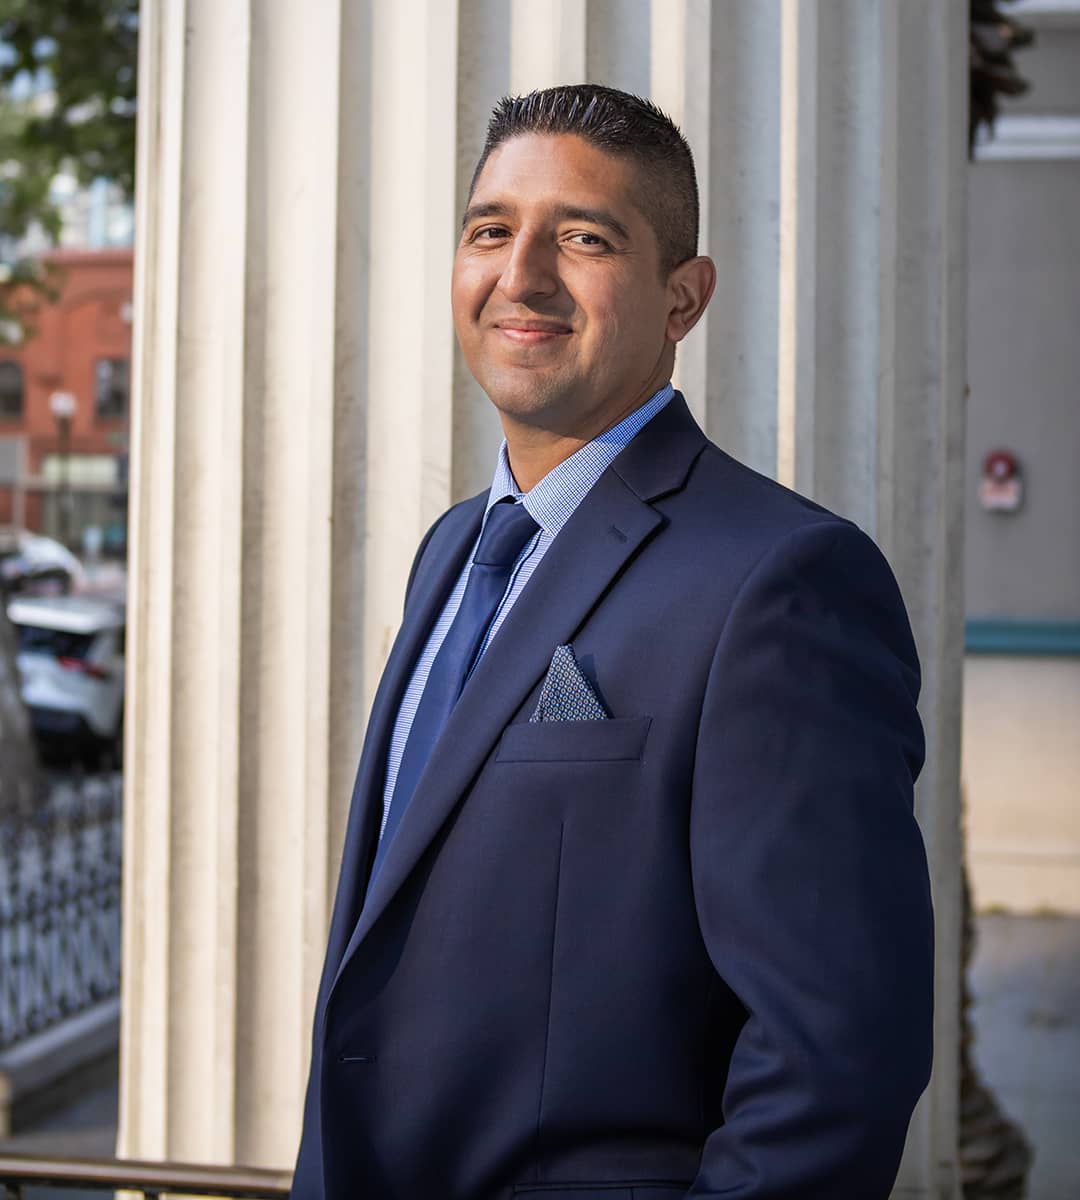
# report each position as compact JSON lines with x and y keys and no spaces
{"x":1018,"y":137}
{"x":1046,"y":14}
{"x":44,"y":1059}
{"x":1039,"y":638}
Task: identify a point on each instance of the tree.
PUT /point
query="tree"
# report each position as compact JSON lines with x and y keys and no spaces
{"x":992,"y":38}
{"x":67,"y":103}
{"x":86,"y":50}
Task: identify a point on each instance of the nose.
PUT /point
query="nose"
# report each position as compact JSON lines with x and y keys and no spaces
{"x":530,"y":269}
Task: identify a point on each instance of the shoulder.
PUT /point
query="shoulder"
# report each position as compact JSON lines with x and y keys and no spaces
{"x":764,"y":510}
{"x":732,"y":520}
{"x":754,"y":545}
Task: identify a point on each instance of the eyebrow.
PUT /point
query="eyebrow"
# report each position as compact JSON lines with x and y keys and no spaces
{"x":564,"y":212}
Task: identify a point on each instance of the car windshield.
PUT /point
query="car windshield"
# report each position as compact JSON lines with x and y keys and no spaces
{"x":57,"y":642}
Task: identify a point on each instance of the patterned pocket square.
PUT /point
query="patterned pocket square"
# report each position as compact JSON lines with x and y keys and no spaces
{"x":567,"y":695}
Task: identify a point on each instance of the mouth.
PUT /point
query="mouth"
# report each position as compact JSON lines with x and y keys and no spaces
{"x":532,"y":332}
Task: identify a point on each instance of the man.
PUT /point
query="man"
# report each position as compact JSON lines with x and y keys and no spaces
{"x":633,"y":904}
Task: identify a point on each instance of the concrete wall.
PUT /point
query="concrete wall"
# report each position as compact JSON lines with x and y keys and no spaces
{"x":1021,"y":756}
{"x":1021,"y":773}
{"x":1024,"y":375}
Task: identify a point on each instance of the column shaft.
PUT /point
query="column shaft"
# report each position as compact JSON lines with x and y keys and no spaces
{"x":282,"y":474}
{"x":548,"y":43}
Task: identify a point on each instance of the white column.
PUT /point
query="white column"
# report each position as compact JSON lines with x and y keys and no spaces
{"x":412,"y":234}
{"x":920,"y":477}
{"x":716,"y":70}
{"x":617,"y":52}
{"x":484,"y":40}
{"x":547,"y":44}
{"x":830,"y":138}
{"x":868,"y":316}
{"x":282,"y":474}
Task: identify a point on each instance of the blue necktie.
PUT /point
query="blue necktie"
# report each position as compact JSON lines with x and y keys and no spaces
{"x":507,"y":529}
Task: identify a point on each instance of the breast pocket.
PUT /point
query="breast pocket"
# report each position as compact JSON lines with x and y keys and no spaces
{"x":621,"y":739}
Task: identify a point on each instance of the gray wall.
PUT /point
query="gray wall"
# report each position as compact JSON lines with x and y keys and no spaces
{"x":1024,"y":360}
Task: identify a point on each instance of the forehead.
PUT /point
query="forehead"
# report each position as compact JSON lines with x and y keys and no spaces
{"x":538,"y":168}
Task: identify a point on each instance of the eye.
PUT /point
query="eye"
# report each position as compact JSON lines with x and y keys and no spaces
{"x":489,"y":233}
{"x":591,"y":241}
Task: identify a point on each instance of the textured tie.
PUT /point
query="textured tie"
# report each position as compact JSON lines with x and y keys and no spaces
{"x":506,"y":530}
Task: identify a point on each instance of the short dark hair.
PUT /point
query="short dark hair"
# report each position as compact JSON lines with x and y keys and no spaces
{"x":624,"y":126}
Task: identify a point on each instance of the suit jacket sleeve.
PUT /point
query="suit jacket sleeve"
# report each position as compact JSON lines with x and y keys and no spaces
{"x":810,"y":876}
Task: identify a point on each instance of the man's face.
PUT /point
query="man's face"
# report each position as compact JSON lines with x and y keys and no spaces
{"x":558,"y":300}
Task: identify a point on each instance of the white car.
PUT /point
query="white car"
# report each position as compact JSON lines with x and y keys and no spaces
{"x":38,"y":566}
{"x":70,"y":655}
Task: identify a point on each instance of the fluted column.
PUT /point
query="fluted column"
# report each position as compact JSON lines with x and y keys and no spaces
{"x":291,"y":442}
{"x":830,"y":142}
{"x":871,"y":363}
{"x":832,"y":154}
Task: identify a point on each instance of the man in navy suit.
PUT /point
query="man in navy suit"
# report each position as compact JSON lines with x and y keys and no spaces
{"x":633,"y":904}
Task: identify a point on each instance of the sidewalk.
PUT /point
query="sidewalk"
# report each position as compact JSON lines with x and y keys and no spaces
{"x":83,"y":1127}
{"x":1026,"y":984}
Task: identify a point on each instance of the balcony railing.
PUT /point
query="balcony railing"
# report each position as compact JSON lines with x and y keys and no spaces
{"x":59,"y":907}
{"x":150,"y":1179}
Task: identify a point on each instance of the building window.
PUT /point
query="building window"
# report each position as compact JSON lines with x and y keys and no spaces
{"x":11,"y":391}
{"x":111,"y":385}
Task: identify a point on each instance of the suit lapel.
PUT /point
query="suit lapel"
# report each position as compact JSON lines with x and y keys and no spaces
{"x":448,"y":550}
{"x":605,"y":532}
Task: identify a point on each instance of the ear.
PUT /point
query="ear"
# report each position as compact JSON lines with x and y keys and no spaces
{"x":690,"y":287}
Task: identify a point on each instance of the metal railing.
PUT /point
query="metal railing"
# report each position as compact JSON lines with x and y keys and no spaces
{"x":150,"y":1179}
{"x":59,"y":907}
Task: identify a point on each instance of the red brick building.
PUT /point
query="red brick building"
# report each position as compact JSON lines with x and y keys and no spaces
{"x":80,"y":345}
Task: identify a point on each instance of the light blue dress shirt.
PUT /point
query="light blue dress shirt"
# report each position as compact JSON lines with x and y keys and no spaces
{"x":551,"y":503}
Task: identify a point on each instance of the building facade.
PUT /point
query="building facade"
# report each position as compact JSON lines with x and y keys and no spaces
{"x":60,"y":474}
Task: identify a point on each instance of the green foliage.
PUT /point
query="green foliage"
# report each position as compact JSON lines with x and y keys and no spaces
{"x":87,"y":50}
{"x":992,"y":38}
{"x":67,"y":103}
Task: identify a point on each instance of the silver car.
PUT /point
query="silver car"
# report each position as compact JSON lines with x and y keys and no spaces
{"x":70,"y":655}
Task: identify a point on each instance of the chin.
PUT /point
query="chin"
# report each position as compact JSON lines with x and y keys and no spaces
{"x":531,"y":401}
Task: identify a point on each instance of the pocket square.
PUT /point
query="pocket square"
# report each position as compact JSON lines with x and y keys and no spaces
{"x":566,"y":694}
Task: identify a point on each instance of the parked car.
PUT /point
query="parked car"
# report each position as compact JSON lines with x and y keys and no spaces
{"x":70,"y":655}
{"x":34,"y":565}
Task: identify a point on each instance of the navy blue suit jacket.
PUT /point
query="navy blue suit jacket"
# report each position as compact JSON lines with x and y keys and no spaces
{"x":685,"y":949}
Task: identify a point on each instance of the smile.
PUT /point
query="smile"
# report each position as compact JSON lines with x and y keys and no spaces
{"x":531,"y":333}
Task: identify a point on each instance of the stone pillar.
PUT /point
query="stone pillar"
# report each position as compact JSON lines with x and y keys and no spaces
{"x":301,"y":417}
{"x":871,"y":374}
{"x":832,"y":149}
{"x":291,"y":442}
{"x":830,"y":137}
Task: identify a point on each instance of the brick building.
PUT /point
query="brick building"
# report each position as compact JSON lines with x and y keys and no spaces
{"x":58,"y":480}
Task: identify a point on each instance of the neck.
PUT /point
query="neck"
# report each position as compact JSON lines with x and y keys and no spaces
{"x":535,"y":451}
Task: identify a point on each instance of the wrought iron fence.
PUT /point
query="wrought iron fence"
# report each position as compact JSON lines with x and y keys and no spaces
{"x":59,"y":906}
{"x":19,"y":1172}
